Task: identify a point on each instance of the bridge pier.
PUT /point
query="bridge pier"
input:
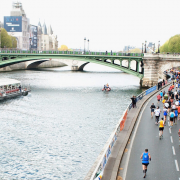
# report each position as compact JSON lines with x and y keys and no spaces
{"x":74,"y":68}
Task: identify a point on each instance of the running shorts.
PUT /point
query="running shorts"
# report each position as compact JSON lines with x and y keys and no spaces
{"x":161,"y":128}
{"x":146,"y":164}
{"x":152,"y":110}
{"x":171,"y":119}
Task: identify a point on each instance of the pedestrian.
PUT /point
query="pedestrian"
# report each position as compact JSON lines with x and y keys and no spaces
{"x":152,"y":109}
{"x":161,"y":94}
{"x":161,"y":128}
{"x":20,"y":88}
{"x":133,"y":101}
{"x":157,"y":114}
{"x":145,"y":161}
{"x":171,"y":115}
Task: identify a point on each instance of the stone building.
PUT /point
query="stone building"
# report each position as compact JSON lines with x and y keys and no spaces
{"x":47,"y":40}
{"x":22,"y":37}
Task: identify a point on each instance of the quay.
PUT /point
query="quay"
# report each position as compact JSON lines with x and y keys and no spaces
{"x":109,"y":165}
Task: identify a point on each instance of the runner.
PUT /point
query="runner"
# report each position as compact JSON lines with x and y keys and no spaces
{"x":161,"y":128}
{"x":165,"y":111}
{"x":158,"y":98}
{"x":178,"y":112}
{"x":152,"y":109}
{"x":145,"y":161}
{"x":175,"y":116}
{"x":157,"y":114}
{"x":161,"y":94}
{"x":171,"y":115}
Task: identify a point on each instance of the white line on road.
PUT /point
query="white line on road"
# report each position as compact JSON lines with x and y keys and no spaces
{"x":170,"y":130}
{"x":168,"y":124}
{"x":177,"y":166}
{"x":173,"y":150}
{"x":171,"y":139}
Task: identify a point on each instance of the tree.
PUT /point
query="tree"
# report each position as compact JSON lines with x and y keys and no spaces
{"x":63,"y":48}
{"x":14,"y":42}
{"x":136,"y":50}
{"x":164,"y":47}
{"x":5,"y":39}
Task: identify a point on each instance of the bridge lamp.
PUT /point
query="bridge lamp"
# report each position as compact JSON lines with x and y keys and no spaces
{"x":158,"y":46}
{"x":30,"y":39}
{"x":142,"y":47}
{"x":84,"y":45}
{"x":145,"y":47}
{"x":88,"y":44}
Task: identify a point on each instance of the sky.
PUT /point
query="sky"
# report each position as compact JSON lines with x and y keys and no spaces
{"x":108,"y":24}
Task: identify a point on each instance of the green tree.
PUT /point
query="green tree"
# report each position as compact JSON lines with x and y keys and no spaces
{"x":174,"y":44}
{"x":164,"y":47}
{"x":136,"y":50}
{"x":5,"y":39}
{"x":14,"y":42}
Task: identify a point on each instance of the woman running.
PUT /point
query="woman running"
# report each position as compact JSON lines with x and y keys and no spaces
{"x":161,"y":128}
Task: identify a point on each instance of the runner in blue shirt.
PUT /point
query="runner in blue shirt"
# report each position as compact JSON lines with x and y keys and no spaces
{"x":161,"y":94}
{"x":145,"y":161}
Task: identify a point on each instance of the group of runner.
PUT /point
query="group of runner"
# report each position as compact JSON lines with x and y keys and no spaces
{"x":170,"y":103}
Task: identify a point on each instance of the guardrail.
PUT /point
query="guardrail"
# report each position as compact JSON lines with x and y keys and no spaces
{"x":98,"y":171}
{"x":72,"y":52}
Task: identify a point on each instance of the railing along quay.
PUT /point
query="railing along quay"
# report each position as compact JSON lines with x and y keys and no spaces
{"x":99,"y":168}
{"x":72,"y":53}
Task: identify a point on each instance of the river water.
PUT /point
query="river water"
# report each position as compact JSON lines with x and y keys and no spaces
{"x":59,"y":129}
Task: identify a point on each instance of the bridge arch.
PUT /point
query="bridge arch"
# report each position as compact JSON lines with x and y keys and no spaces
{"x":35,"y":64}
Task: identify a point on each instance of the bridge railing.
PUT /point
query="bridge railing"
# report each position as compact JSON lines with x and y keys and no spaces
{"x":103,"y":159}
{"x":14,"y":51}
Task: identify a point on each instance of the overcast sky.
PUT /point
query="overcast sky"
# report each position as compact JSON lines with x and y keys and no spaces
{"x":108,"y":24}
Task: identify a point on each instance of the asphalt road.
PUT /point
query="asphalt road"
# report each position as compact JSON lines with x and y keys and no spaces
{"x":165,"y":153}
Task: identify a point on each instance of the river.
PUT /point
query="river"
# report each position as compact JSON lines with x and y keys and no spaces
{"x":59,"y":129}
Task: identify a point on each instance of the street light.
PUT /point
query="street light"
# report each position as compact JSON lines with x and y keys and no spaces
{"x":158,"y":46}
{"x":88,"y":44}
{"x":142,"y":47}
{"x":30,"y":44}
{"x":145,"y":47}
{"x":84,"y":45}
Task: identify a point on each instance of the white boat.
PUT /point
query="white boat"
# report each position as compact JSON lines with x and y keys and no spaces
{"x":11,"y":88}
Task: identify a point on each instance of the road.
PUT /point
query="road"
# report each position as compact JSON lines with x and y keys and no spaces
{"x":165,"y":153}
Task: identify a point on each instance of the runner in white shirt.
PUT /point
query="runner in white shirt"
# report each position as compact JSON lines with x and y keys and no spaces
{"x":157,"y":114}
{"x":177,"y":103}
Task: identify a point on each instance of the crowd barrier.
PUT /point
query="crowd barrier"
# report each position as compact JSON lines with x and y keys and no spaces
{"x":98,"y":172}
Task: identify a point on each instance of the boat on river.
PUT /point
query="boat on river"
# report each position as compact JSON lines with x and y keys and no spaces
{"x":11,"y":88}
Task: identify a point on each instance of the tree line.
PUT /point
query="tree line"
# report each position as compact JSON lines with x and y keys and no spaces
{"x":7,"y":41}
{"x":172,"y":45}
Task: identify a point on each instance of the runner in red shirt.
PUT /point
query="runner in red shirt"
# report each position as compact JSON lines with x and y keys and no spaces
{"x":158,"y":98}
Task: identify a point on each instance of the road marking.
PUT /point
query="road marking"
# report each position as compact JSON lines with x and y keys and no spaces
{"x":173,"y":150}
{"x":171,"y":139}
{"x":170,"y":130}
{"x":177,"y":166}
{"x":168,"y":124}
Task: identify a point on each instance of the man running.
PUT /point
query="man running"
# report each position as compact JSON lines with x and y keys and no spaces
{"x":145,"y":161}
{"x":158,"y":98}
{"x":157,"y":114}
{"x":152,"y":109}
{"x":171,"y":115}
{"x":161,"y":94}
{"x":161,"y":128}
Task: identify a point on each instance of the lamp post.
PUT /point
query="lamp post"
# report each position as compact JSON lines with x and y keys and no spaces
{"x":142,"y":47}
{"x":158,"y":46}
{"x":84,"y":45}
{"x":30,"y":44}
{"x":145,"y":47}
{"x":88,"y":44}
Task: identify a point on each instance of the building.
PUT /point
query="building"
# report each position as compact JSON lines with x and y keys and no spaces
{"x":17,"y":25}
{"x":127,"y":48}
{"x":46,"y":38}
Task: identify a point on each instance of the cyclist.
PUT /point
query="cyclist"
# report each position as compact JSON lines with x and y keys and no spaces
{"x":145,"y":161}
